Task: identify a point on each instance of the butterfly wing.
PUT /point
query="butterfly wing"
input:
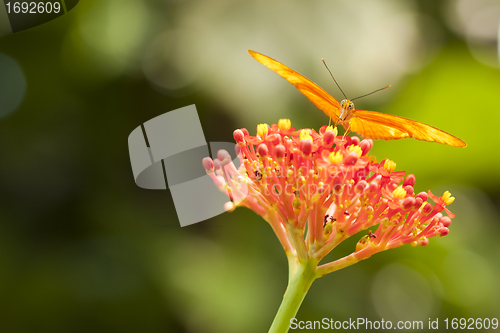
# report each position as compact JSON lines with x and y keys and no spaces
{"x":376,"y":125}
{"x":323,"y":101}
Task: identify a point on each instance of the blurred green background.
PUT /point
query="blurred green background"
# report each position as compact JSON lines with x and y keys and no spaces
{"x":83,"y":249}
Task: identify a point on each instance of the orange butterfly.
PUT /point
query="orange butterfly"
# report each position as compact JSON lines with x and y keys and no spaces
{"x":369,"y":124}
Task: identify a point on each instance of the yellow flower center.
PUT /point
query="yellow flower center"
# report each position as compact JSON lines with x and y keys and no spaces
{"x":262,"y":130}
{"x":335,"y":157}
{"x":304,"y":135}
{"x":447,"y":198}
{"x":284,"y":124}
{"x":399,"y":192}
{"x":389,"y":165}
{"x":356,"y":149}
{"x":334,"y":129}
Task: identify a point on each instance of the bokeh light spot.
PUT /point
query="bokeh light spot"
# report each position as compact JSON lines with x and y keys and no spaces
{"x":12,"y":85}
{"x":401,"y":293}
{"x":468,"y":279}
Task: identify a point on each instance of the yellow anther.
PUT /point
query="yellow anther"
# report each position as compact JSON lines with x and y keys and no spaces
{"x":389,"y":165}
{"x":399,"y":192}
{"x":334,"y":129}
{"x":356,"y":149}
{"x":336,"y":158}
{"x":447,"y":198}
{"x":304,"y":135}
{"x":284,"y":124}
{"x":262,"y":130}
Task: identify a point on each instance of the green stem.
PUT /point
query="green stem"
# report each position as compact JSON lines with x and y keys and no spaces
{"x":298,"y":285}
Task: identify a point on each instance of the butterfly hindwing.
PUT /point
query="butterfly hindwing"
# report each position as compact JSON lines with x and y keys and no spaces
{"x":377,"y":125}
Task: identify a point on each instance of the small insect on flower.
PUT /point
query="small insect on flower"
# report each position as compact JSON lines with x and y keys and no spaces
{"x":370,"y":124}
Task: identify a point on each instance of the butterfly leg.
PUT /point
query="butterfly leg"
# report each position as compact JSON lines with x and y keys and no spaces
{"x":346,"y":131}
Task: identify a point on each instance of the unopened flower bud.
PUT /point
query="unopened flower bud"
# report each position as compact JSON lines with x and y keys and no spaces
{"x":328,"y":138}
{"x":408,"y":202}
{"x":366,"y":145}
{"x":306,"y":147}
{"x":280,"y":151}
{"x":224,"y":156}
{"x":239,"y":137}
{"x":262,"y":150}
{"x":208,"y":164}
{"x":446,"y":221}
{"x":444,"y":231}
{"x":423,"y":196}
{"x":409,"y":180}
{"x":351,"y":158}
{"x":427,"y":208}
{"x":361,"y":187}
{"x":409,"y":190}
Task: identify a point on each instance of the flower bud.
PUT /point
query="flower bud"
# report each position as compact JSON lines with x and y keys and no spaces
{"x":351,"y":158}
{"x":306,"y":147}
{"x":280,"y":152}
{"x":423,"y":196}
{"x":446,"y":221}
{"x":427,"y":208}
{"x":328,"y":138}
{"x":409,"y":190}
{"x":224,"y":156}
{"x":262,"y":150}
{"x":274,"y":139}
{"x":361,"y":187}
{"x":408,"y":202}
{"x":239,"y":137}
{"x":418,"y":202}
{"x":208,"y":164}
{"x":216,"y":164}
{"x":366,"y":145}
{"x":337,"y":185}
{"x":409,"y":180}
{"x":373,"y":187}
{"x":443,"y":231}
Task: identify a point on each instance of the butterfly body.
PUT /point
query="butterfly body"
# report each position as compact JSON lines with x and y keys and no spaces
{"x":369,"y":124}
{"x":346,"y":112}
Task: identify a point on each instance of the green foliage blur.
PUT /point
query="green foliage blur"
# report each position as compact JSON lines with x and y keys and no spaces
{"x":83,"y":249}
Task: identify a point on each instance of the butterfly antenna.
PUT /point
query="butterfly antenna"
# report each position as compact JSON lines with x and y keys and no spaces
{"x":371,"y":92}
{"x":333,"y":78}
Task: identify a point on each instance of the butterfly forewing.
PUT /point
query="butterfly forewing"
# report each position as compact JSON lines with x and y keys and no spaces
{"x":323,"y":101}
{"x":369,"y":124}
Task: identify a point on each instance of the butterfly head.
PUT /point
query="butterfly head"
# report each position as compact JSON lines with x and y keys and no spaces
{"x":346,"y":110}
{"x":347,"y":105}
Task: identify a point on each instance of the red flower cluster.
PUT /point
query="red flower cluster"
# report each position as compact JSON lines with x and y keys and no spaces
{"x":318,"y":189}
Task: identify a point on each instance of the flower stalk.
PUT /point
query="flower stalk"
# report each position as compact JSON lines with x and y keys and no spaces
{"x":298,"y":286}
{"x":316,"y":189}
